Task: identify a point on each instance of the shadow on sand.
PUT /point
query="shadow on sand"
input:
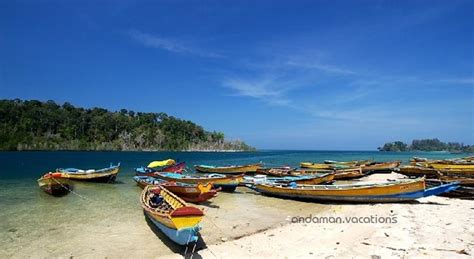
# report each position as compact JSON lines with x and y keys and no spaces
{"x":189,"y":251}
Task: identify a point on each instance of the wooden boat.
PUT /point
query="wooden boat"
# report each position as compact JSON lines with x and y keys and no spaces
{"x":107,"y":175}
{"x":227,"y":183}
{"x":275,"y":171}
{"x":442,"y":166}
{"x":396,"y":191}
{"x":341,"y":174}
{"x":350,"y":163}
{"x":176,"y":219}
{"x":54,"y":184}
{"x":237,"y":169}
{"x":381,"y":167}
{"x":302,"y":179}
{"x":311,"y":165}
{"x":194,"y":193}
{"x":347,"y":174}
{"x":465,"y":177}
{"x":148,"y":171}
{"x":443,"y":163}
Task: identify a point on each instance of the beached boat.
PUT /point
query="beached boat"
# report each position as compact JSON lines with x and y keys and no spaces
{"x":311,"y":165}
{"x":227,"y":183}
{"x":464,"y":177}
{"x":235,"y":169}
{"x":149,"y":171}
{"x":194,"y":193}
{"x":275,"y":171}
{"x":442,"y":166}
{"x":107,"y":175}
{"x":176,"y":219}
{"x":347,"y":174}
{"x":452,"y":163}
{"x":301,"y":179}
{"x":340,"y":174}
{"x":381,"y":167}
{"x":395,"y":191}
{"x":54,"y":184}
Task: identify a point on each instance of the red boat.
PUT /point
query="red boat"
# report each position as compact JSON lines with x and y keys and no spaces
{"x":194,"y":193}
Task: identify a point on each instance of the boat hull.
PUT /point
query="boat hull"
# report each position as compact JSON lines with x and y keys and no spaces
{"x":182,"y":237}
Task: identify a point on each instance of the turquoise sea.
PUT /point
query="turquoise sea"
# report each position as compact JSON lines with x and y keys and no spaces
{"x":107,"y":220}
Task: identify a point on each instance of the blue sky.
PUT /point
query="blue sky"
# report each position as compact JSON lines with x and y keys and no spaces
{"x":325,"y":75}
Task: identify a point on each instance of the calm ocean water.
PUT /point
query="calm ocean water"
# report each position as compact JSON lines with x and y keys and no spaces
{"x":86,"y":224}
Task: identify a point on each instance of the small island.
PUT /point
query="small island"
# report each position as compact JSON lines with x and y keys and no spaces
{"x":36,"y":125}
{"x":427,"y":145}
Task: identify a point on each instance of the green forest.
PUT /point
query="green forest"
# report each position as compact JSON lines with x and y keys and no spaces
{"x":426,"y":145}
{"x":36,"y":125}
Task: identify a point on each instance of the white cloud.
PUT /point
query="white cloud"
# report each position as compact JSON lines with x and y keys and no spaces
{"x":167,"y":44}
{"x":269,"y":90}
{"x":330,"y":69}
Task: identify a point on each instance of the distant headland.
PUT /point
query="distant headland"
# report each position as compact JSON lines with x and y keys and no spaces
{"x":36,"y":125}
{"x":427,"y":145}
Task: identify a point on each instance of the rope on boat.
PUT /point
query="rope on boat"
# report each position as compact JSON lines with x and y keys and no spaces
{"x":70,"y":190}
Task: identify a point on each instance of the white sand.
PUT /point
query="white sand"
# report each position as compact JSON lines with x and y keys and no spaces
{"x":434,"y":227}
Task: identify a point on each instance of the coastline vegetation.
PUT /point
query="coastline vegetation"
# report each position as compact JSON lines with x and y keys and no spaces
{"x":36,"y":125}
{"x":427,"y":145}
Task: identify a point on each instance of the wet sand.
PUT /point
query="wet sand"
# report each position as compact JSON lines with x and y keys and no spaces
{"x":92,"y":227}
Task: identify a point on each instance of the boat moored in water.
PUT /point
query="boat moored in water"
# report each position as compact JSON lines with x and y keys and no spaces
{"x":235,"y":169}
{"x":54,"y":184}
{"x":107,"y":175}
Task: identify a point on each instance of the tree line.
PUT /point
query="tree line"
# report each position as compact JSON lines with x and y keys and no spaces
{"x":36,"y":125}
{"x":427,"y":145}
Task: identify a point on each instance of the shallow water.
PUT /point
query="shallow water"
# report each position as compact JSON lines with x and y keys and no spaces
{"x":107,"y":220}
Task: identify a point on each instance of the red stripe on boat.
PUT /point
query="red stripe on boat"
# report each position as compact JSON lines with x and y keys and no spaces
{"x":187,"y":211}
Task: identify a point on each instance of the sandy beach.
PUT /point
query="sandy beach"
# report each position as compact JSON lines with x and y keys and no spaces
{"x":433,"y":227}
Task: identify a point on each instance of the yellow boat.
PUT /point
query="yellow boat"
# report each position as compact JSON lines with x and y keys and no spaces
{"x":395,"y":191}
{"x":316,"y":165}
{"x":320,"y":166}
{"x":381,"y":167}
{"x":107,"y":175}
{"x":237,"y":169}
{"x":171,"y":214}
